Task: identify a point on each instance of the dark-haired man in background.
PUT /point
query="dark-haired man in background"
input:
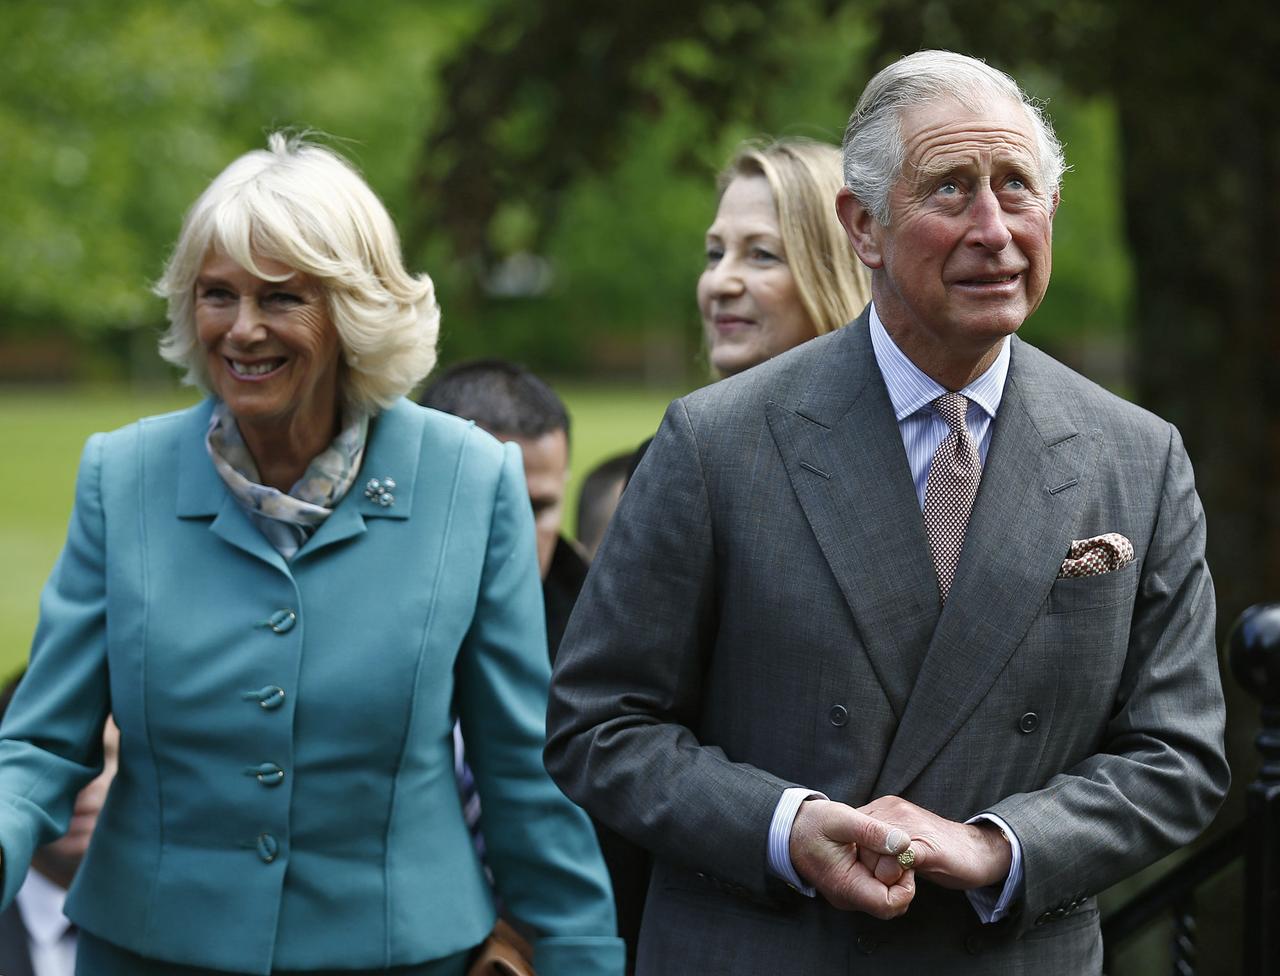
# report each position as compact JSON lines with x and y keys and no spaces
{"x":512,"y":404}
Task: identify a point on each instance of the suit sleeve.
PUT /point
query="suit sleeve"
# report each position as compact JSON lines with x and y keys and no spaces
{"x":541,"y":848}
{"x":1160,"y":772}
{"x":51,"y":737}
{"x":627,"y":690}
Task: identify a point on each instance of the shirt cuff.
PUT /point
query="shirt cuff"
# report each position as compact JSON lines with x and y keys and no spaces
{"x":993,"y":902}
{"x":784,"y":815}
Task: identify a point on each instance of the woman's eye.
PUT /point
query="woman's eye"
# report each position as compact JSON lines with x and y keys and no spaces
{"x":714,"y":254}
{"x":763,"y":254}
{"x":283,"y":298}
{"x":216,"y":294}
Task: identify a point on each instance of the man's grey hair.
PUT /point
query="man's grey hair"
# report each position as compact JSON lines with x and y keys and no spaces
{"x":873,"y":149}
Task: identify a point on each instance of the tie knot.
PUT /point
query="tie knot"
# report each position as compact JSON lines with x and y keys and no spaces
{"x":953,"y":407}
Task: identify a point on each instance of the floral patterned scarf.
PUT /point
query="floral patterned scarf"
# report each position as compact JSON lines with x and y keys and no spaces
{"x":288,"y":520}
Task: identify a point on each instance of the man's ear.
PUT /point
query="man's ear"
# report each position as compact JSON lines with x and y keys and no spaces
{"x":860,"y":225}
{"x":1053,"y":204}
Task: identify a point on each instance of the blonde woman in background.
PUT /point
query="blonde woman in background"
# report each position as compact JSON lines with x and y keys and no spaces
{"x":779,"y":266}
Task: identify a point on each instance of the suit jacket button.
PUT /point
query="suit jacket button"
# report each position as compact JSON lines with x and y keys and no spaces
{"x":866,"y":944}
{"x":974,"y":944}
{"x":282,"y":621}
{"x":1029,"y":722}
{"x":267,"y":773}
{"x":268,"y":848}
{"x":838,"y":716}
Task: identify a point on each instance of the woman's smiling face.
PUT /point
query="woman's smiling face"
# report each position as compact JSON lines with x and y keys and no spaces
{"x":271,"y":348}
{"x":748,"y":297}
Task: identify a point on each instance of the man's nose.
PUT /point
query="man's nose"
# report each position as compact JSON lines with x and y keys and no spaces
{"x":988,"y":227}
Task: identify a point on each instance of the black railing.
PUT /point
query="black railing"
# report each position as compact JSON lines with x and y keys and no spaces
{"x":1255,"y":662}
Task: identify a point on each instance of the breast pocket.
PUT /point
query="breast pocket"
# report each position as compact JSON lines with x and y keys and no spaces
{"x":1075,"y":594}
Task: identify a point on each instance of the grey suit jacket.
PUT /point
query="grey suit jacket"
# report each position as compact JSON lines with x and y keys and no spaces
{"x":764,"y":613}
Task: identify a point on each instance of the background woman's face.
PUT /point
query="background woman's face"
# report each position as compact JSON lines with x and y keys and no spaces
{"x":271,"y":349}
{"x":750,"y":306}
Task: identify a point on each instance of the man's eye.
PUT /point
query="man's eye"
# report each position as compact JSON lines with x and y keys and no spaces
{"x":948,"y":189}
{"x":1016,"y":183}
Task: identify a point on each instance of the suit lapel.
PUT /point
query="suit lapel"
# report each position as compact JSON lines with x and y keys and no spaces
{"x":844,"y":455}
{"x":395,"y":441}
{"x":202,"y":493}
{"x":1032,"y":490}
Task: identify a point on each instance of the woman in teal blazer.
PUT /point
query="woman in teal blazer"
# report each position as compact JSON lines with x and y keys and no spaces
{"x":285,"y":595}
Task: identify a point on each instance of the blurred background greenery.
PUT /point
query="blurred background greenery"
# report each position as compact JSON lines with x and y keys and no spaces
{"x":551,"y":163}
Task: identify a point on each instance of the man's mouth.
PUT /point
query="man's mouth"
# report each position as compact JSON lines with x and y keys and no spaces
{"x":991,"y":279}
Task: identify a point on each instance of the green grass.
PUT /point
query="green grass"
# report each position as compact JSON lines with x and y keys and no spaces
{"x":43,"y":431}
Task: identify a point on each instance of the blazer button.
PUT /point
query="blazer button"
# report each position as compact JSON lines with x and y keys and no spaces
{"x":282,"y":621}
{"x":1029,"y":722}
{"x":267,"y":773}
{"x":974,"y":944}
{"x":268,"y":848}
{"x":270,"y":698}
{"x":838,"y":716}
{"x":866,"y":944}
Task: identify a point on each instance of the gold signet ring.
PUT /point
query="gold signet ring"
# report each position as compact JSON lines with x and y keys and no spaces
{"x":907,"y":858}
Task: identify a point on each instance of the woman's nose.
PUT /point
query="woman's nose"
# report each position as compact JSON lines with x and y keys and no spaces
{"x":247,"y":326}
{"x":726,"y":277}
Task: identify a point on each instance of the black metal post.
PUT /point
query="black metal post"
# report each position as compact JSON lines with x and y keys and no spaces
{"x":1255,"y":662}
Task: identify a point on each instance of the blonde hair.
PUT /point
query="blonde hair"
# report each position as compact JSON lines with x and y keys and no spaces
{"x":305,"y":206}
{"x":804,"y":176}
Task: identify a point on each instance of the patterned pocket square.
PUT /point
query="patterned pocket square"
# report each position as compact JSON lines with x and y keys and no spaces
{"x":1093,"y":557}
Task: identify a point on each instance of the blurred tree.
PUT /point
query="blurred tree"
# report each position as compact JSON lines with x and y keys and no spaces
{"x":579,"y":143}
{"x":114,"y":116}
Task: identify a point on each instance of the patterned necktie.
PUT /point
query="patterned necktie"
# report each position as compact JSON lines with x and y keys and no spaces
{"x":951,"y":488}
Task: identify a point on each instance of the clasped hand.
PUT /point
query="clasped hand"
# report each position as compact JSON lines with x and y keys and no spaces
{"x":850,"y":855}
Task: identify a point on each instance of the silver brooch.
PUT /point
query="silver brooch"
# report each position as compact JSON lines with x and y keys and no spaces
{"x":380,"y":491}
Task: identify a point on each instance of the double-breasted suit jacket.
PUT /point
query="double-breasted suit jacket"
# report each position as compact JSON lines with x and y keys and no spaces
{"x":764,"y":613}
{"x":286,"y":797}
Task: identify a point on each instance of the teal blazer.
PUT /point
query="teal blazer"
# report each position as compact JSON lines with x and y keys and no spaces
{"x":286,"y":796}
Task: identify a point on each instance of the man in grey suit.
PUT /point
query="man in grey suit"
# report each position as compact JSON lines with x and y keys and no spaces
{"x":913,"y":582}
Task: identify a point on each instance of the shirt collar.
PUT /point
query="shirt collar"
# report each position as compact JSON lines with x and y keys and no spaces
{"x":40,"y":902}
{"x":911,"y":390}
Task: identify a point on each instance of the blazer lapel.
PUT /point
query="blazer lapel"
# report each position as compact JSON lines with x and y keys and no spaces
{"x":395,"y":441}
{"x":391,"y":454}
{"x":202,"y":493}
{"x":844,"y":455}
{"x":1032,"y":490}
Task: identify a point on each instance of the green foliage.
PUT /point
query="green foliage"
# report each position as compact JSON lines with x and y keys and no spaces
{"x":114,"y":116}
{"x":585,"y":135}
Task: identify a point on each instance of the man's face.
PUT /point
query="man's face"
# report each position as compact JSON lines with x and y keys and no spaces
{"x":546,"y":470}
{"x":966,"y":256}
